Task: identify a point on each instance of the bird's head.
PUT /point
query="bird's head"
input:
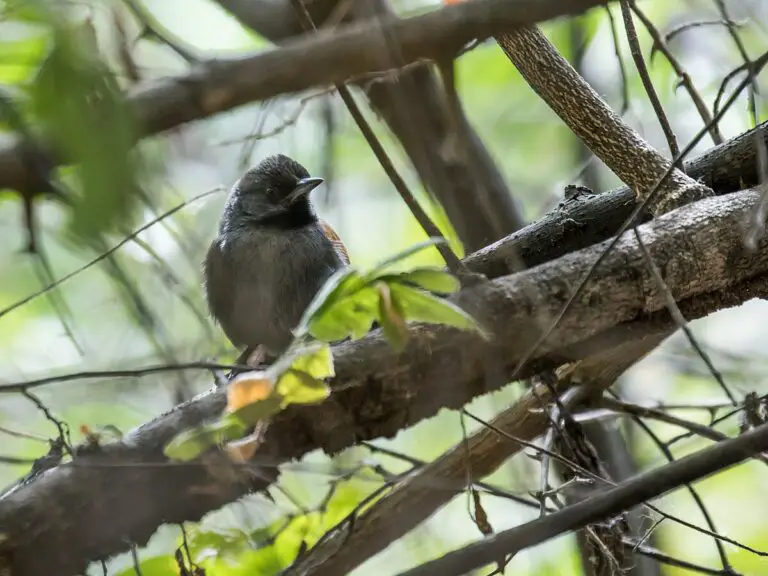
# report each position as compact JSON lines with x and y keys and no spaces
{"x":275,"y":193}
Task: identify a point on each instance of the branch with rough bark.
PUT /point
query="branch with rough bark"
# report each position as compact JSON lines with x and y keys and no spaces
{"x":123,"y":491}
{"x":589,"y":219}
{"x":328,"y":57}
{"x":630,"y":157}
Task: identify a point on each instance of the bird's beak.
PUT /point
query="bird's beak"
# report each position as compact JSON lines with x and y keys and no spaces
{"x":303,"y":187}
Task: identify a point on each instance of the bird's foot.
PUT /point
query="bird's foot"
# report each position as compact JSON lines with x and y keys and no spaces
{"x":257,"y":358}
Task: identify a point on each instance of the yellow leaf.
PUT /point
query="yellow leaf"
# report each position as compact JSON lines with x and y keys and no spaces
{"x":298,"y":387}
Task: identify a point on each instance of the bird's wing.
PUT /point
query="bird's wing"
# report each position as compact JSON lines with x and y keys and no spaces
{"x":330,"y":233}
{"x":219,"y":282}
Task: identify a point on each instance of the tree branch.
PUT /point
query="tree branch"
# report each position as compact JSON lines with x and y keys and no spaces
{"x":630,"y":157}
{"x":589,"y":219}
{"x":324,"y":58}
{"x":414,"y":499}
{"x":642,"y":487}
{"x":87,"y":510}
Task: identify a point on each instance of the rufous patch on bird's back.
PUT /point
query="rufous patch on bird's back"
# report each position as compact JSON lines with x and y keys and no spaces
{"x":330,"y":233}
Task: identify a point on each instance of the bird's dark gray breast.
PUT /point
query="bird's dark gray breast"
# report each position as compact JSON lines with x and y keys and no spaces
{"x":259,"y":282}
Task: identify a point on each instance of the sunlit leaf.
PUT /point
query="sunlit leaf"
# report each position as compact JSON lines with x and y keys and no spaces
{"x":19,"y":59}
{"x":342,"y":282}
{"x":301,"y":375}
{"x":316,"y":360}
{"x":298,"y":387}
{"x":351,"y":316}
{"x":156,"y":566}
{"x":424,"y":307}
{"x":254,"y":412}
{"x":190,"y":444}
{"x":391,"y":317}
{"x":229,"y":543}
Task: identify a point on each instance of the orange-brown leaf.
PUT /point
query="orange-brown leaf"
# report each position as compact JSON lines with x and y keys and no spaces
{"x":248,"y":388}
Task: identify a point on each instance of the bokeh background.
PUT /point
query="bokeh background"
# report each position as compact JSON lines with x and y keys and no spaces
{"x":537,"y":155}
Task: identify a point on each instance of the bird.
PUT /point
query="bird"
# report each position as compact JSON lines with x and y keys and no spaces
{"x":270,"y":257}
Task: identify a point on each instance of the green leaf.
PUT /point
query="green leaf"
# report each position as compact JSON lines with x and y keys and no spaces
{"x":424,"y":307}
{"x":82,"y":108}
{"x":400,"y":256}
{"x":352,"y":316}
{"x":156,"y":566}
{"x":431,"y":279}
{"x":343,"y":282}
{"x":391,"y":317}
{"x":190,"y":444}
{"x":19,"y":59}
{"x":315,"y":360}
{"x":301,"y":374}
{"x":252,"y":413}
{"x":298,"y":387}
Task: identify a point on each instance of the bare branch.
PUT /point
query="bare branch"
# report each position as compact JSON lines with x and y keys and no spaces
{"x":642,"y":487}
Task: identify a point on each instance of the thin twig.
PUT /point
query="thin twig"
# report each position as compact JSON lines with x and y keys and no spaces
{"x":691,"y":490}
{"x":698,"y":24}
{"x":753,"y":68}
{"x":676,"y":562}
{"x":748,"y":63}
{"x":677,"y":316}
{"x":641,"y":487}
{"x":152,"y":29}
{"x":60,"y":425}
{"x":128,"y":373}
{"x":488,"y":488}
{"x":106,"y":254}
{"x":452,"y":261}
{"x":685,"y":79}
{"x":608,"y":482}
{"x":642,"y":70}
{"x":620,"y":61}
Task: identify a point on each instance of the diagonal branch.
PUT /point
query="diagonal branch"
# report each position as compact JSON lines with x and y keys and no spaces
{"x":324,"y":58}
{"x":125,"y":490}
{"x":630,"y":157}
{"x":644,"y":486}
{"x":590,"y":219}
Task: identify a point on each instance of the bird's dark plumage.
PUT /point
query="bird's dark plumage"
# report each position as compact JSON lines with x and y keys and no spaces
{"x":271,"y":256}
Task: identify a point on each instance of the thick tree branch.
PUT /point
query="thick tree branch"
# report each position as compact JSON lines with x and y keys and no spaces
{"x":324,"y":58}
{"x":124,"y":491}
{"x":414,"y":500}
{"x":630,"y":157}
{"x":589,"y":219}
